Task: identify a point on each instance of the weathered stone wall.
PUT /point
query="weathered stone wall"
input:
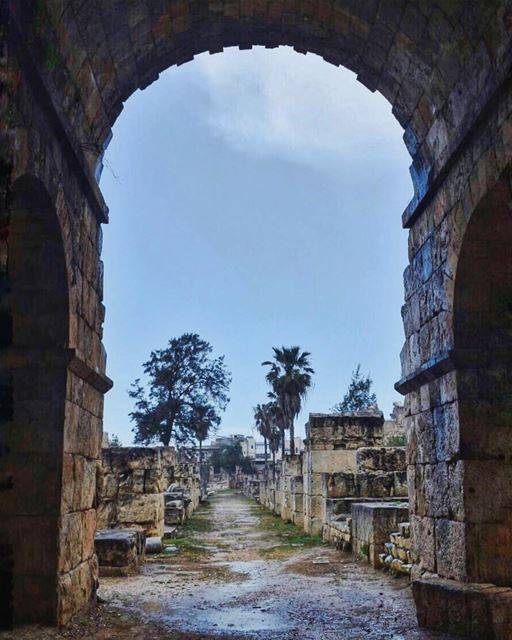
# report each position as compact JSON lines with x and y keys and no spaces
{"x":332,"y":442}
{"x":290,"y":468}
{"x":66,"y":69}
{"x":131,"y":486}
{"x":186,"y":475}
{"x":371,"y":526}
{"x":395,"y":427}
{"x":381,"y":473}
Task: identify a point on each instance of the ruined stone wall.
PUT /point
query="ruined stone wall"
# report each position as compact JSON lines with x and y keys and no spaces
{"x":186,"y":475}
{"x":131,"y":485}
{"x":268,"y":493}
{"x":286,"y":503}
{"x":395,"y":428}
{"x":381,"y":473}
{"x":332,"y":442}
{"x":372,"y":524}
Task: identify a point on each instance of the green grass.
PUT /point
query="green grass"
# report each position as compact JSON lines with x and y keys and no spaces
{"x":288,"y":533}
{"x":191,"y":545}
{"x":198,"y":523}
{"x":191,"y":549}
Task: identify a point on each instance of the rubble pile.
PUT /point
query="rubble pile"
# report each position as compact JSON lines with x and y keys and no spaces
{"x":398,"y":554}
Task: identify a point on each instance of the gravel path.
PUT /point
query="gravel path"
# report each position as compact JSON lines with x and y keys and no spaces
{"x":239,"y":574}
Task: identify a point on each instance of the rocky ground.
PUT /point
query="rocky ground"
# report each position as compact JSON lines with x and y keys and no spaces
{"x":239,"y":572}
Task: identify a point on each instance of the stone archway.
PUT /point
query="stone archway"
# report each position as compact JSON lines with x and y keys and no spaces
{"x":463,"y":501}
{"x":34,"y":318}
{"x":444,"y":66}
{"x":482,"y":453}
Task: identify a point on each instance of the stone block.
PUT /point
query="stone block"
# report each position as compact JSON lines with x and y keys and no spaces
{"x":480,"y":503}
{"x":451,"y":549}
{"x":380,"y":459}
{"x":489,"y":552}
{"x":297,"y":485}
{"x":316,"y":506}
{"x":332,"y":461}
{"x":372,"y":524}
{"x":117,"y":548}
{"x":70,"y":541}
{"x":76,"y":589}
{"x":479,"y":611}
{"x":313,"y":484}
{"x":376,"y":484}
{"x":423,"y":542}
{"x":340,"y":485}
{"x":107,"y":514}
{"x":400,"y":486}
{"x":420,"y":447}
{"x":146,"y":510}
{"x":446,"y":430}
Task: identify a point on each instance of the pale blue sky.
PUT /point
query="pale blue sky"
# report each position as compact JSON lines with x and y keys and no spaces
{"x":255,"y":198}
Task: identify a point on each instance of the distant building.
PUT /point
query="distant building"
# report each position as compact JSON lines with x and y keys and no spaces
{"x":250,"y":447}
{"x":260,"y":449}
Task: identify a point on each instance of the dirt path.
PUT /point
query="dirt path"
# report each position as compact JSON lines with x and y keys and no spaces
{"x":240,"y":572}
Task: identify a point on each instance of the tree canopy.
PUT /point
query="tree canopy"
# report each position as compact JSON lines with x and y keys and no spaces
{"x":186,"y":390}
{"x":290,"y":376}
{"x":266,"y":422}
{"x":358,"y":396}
{"x":115,"y":441}
{"x":229,"y":456}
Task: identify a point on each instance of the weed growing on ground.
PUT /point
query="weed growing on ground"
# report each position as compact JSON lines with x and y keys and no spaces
{"x":289,"y":535}
{"x":198,"y":523}
{"x":188,"y":536}
{"x":191,"y":549}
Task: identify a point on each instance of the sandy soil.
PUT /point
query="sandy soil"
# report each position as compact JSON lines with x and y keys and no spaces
{"x":240,"y":574}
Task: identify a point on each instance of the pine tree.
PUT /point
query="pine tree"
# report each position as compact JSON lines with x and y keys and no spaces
{"x":359,"y":396}
{"x":186,"y":390}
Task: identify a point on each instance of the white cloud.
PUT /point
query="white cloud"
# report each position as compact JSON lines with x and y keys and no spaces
{"x":299,"y":108}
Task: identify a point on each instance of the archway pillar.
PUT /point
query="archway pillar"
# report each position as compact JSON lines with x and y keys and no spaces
{"x":52,"y":429}
{"x":82,"y":436}
{"x":458,"y":382}
{"x":460,"y":481}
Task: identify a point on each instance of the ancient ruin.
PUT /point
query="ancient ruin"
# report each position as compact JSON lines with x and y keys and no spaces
{"x":342,"y":487}
{"x":140,"y":491}
{"x":66,"y":68}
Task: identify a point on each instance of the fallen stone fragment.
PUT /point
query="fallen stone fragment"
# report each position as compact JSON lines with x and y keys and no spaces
{"x":154,"y":545}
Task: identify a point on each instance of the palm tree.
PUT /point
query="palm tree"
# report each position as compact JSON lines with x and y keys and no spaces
{"x":269,"y":422}
{"x":290,"y":378}
{"x":262,"y":422}
{"x":202,"y":420}
{"x":275,"y":434}
{"x":279,"y":420}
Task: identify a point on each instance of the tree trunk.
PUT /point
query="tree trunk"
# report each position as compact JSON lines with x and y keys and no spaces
{"x":266,"y":457}
{"x":274,"y":464}
{"x":165,"y":437}
{"x":292,"y":438}
{"x":201,"y":467}
{"x":283,"y":444}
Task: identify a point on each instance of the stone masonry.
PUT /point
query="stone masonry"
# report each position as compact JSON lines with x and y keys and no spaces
{"x":332,"y":442}
{"x":65,"y":70}
{"x":131,"y":486}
